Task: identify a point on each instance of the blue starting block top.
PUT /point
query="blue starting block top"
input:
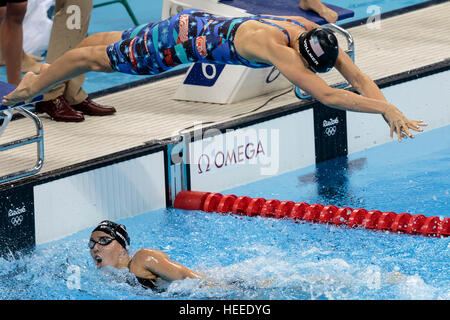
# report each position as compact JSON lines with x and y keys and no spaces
{"x":6,"y":88}
{"x":286,"y":8}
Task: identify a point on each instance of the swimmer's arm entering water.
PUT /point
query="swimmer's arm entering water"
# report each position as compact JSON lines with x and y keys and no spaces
{"x":158,"y":263}
{"x":70,"y":65}
{"x":359,"y":80}
{"x":288,"y":61}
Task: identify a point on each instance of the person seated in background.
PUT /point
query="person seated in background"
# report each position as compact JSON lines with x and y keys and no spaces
{"x":109,"y":246}
{"x":318,"y":7}
{"x":297,"y":47}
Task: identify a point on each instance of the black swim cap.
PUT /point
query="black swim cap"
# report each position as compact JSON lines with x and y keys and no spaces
{"x":115,"y":230}
{"x":320,"y":49}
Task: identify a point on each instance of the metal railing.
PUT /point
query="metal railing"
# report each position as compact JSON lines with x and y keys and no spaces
{"x":38,"y":138}
{"x":125,"y":4}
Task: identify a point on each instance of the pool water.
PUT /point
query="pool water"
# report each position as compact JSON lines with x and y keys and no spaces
{"x":262,"y":258}
{"x":265,"y":258}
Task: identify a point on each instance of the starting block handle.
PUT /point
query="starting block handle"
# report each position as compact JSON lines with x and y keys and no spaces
{"x":6,"y":116}
{"x":38,"y":139}
{"x":350,"y":42}
{"x":350,"y":51}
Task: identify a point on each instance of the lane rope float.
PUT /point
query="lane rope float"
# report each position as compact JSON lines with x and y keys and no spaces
{"x":242,"y":205}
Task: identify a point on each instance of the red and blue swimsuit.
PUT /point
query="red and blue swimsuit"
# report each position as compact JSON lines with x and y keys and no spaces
{"x":190,"y":36}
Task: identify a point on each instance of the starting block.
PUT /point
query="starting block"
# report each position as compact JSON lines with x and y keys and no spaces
{"x":6,"y":114}
{"x":224,"y":84}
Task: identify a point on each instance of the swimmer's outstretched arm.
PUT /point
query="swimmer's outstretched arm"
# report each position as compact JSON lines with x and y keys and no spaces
{"x":372,"y":100}
{"x":72,"y":64}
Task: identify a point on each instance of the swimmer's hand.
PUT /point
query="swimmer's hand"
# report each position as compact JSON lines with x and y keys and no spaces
{"x":211,"y":284}
{"x":232,"y":285}
{"x":23,"y":92}
{"x":400,"y":124}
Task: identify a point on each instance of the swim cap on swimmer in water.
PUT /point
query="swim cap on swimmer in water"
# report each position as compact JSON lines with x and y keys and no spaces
{"x":116,"y":231}
{"x":320,"y":49}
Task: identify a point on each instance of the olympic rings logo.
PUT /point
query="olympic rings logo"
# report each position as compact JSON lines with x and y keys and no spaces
{"x":17,"y":220}
{"x":330,"y":131}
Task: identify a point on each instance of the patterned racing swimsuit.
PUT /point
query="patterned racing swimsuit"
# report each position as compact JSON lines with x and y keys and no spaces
{"x":190,"y":36}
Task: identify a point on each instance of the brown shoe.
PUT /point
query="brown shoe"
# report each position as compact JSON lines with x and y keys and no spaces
{"x":59,"y":110}
{"x":92,"y":108}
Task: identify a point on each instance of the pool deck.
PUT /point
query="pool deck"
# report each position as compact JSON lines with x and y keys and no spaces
{"x":148,"y":112}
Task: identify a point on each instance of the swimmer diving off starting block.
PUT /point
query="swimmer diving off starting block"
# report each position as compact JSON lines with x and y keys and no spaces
{"x":296,"y":46}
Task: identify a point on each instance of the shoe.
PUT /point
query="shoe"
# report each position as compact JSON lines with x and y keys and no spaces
{"x":91,"y":108}
{"x":59,"y":110}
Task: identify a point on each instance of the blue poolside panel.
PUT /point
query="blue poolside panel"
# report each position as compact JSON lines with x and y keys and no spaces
{"x":286,"y":8}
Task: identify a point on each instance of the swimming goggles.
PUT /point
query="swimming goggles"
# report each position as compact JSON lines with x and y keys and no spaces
{"x":103,"y":241}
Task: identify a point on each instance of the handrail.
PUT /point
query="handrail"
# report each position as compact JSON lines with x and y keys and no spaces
{"x":38,"y":138}
{"x":125,"y":4}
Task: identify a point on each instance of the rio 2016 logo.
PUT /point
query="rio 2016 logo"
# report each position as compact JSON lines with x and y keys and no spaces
{"x":16,"y":216}
{"x":330,"y":126}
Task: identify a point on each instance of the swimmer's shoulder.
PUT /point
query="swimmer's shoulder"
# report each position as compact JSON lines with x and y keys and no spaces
{"x":144,"y":255}
{"x":145,"y":259}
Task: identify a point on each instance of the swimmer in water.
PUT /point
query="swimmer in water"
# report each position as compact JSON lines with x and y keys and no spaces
{"x":296,"y":46}
{"x":109,"y":243}
{"x":109,"y":246}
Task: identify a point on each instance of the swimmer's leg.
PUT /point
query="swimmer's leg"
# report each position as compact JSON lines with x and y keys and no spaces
{"x":70,"y":65}
{"x":321,"y":9}
{"x":96,"y":39}
{"x":101,"y":38}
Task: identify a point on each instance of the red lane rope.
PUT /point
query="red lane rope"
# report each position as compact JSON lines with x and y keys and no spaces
{"x":272,"y":208}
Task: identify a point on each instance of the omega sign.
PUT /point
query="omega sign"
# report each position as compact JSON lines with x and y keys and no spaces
{"x":220,"y":159}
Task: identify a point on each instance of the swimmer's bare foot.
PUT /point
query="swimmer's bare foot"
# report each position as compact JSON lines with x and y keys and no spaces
{"x":36,"y":58}
{"x":30,"y":64}
{"x":23,"y":91}
{"x":321,"y":9}
{"x":43,"y":67}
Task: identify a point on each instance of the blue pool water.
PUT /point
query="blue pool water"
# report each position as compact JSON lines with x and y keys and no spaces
{"x":260,"y":258}
{"x":265,"y":258}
